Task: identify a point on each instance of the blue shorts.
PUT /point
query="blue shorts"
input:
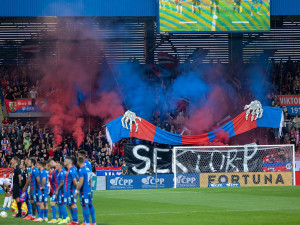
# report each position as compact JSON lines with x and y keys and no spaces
{"x":43,"y":197}
{"x":86,"y":198}
{"x":53,"y":198}
{"x":60,"y":199}
{"x":69,"y":198}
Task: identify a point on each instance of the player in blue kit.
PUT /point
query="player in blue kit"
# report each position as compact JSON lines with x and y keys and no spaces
{"x":60,"y":192}
{"x":53,"y":173}
{"x":70,"y":187}
{"x":43,"y":192}
{"x":178,"y":4}
{"x":88,"y":164}
{"x":34,"y":187}
{"x":84,"y":187}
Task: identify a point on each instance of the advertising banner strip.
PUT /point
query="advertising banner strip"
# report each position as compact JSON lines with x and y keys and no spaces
{"x":139,"y":182}
{"x":293,"y":110}
{"x":187,"y":180}
{"x":289,"y":100}
{"x":108,"y":171}
{"x":275,"y":168}
{"x":152,"y":181}
{"x":279,"y":166}
{"x":198,"y":180}
{"x":224,"y":185}
{"x":247,"y":179}
{"x":286,"y":164}
{"x":25,"y":105}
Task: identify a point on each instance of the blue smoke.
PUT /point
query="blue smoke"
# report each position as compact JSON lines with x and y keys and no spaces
{"x":192,"y":87}
{"x":107,"y":79}
{"x":260,"y":84}
{"x":139,"y":96}
{"x":144,"y":97}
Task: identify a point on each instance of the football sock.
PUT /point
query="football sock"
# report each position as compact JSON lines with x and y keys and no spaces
{"x":86,"y":214}
{"x":92,"y":212}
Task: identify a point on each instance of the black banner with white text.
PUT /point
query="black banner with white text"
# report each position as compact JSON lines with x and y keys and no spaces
{"x":141,"y":159}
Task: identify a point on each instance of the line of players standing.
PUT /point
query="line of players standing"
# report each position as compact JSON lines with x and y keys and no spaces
{"x":198,"y":4}
{"x":44,"y":181}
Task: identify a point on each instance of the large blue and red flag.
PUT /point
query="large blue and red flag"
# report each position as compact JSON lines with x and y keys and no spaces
{"x":272,"y":118}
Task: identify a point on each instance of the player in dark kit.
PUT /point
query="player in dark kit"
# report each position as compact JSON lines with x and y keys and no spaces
{"x":197,"y":5}
{"x":25,"y":188}
{"x":238,"y":6}
{"x":214,"y":4}
{"x":17,"y":184}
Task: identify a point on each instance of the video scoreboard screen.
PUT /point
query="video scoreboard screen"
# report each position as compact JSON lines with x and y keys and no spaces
{"x":214,"y":15}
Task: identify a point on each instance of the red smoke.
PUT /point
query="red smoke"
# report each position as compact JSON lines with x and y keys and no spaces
{"x":205,"y":118}
{"x":77,"y":131}
{"x":106,"y":105}
{"x":75,"y":69}
{"x":222,"y":136}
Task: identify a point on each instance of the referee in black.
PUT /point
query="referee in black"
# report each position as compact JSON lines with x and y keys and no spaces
{"x":17,"y":183}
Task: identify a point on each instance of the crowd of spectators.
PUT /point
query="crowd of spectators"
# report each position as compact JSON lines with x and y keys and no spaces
{"x":286,"y":77}
{"x":17,"y":82}
{"x":286,"y":80}
{"x":32,"y":139}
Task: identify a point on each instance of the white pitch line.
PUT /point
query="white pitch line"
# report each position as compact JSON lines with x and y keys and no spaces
{"x":180,"y":212}
{"x":240,"y":21}
{"x":189,"y":22}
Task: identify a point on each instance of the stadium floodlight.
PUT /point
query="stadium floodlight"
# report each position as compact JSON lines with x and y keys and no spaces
{"x":230,"y":166}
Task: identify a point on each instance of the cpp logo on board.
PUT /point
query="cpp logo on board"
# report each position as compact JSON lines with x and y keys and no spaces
{"x":120,"y":183}
{"x":150,"y":180}
{"x":181,"y":179}
{"x":187,"y":180}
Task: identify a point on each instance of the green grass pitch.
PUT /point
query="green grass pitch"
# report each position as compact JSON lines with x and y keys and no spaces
{"x":216,"y":206}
